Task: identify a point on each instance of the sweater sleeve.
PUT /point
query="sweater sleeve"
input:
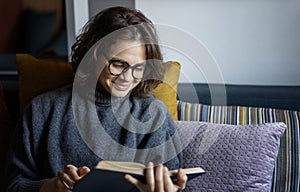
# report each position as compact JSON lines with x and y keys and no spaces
{"x":22,"y":169}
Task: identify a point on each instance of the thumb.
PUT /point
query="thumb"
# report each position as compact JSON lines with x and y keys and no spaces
{"x":82,"y":171}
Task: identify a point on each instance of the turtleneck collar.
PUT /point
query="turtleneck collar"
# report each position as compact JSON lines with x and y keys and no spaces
{"x":99,"y":95}
{"x":102,"y":96}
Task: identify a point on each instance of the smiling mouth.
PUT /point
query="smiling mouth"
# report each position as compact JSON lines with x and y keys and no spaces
{"x":120,"y":87}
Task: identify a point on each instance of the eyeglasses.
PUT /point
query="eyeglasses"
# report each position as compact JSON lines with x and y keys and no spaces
{"x":117,"y":67}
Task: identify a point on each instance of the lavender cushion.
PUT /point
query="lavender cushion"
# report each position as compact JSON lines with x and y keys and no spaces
{"x":235,"y":157}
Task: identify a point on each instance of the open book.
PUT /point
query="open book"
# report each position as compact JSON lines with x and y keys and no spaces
{"x":109,"y":176}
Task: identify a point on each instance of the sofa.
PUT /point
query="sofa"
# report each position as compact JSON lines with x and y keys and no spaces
{"x":246,"y":137}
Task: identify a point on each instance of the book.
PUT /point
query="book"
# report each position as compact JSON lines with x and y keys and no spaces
{"x":109,"y":176}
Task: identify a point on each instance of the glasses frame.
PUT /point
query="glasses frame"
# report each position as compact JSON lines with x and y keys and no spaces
{"x":111,"y":61}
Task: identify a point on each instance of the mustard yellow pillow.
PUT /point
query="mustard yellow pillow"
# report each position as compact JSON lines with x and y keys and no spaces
{"x":40,"y":75}
{"x":167,"y":91}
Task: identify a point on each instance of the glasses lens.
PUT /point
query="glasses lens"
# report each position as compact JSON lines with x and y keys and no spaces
{"x":138,"y":71}
{"x":116,"y":67}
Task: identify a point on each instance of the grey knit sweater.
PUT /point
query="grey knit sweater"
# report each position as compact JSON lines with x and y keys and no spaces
{"x":47,"y":137}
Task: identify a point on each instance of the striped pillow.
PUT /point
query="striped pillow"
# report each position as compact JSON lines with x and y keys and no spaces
{"x":287,"y":169}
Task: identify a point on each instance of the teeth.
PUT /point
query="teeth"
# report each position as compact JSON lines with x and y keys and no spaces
{"x":122,"y":87}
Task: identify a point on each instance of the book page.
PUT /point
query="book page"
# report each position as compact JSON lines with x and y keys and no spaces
{"x":138,"y":168}
{"x":127,"y":167}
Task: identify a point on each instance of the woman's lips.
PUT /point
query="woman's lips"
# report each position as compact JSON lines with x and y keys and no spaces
{"x":121,"y":87}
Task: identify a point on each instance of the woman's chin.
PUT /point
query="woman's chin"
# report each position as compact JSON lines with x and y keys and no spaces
{"x":118,"y":93}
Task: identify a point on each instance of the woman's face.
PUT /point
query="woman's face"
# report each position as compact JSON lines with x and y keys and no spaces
{"x":132,"y":53}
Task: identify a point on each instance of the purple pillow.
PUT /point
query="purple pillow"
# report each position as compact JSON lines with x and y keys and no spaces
{"x":235,"y":157}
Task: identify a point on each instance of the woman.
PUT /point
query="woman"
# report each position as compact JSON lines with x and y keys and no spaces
{"x":118,"y":64}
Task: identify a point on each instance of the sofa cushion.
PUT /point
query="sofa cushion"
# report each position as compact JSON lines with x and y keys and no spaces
{"x":235,"y":157}
{"x":286,"y":173}
{"x":271,"y":96}
{"x":39,"y":75}
{"x":167,"y":91}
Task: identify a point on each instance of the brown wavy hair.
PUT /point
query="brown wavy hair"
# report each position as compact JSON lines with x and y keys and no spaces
{"x":115,"y":18}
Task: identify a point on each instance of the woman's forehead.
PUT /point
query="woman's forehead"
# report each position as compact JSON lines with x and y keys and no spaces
{"x":125,"y":46}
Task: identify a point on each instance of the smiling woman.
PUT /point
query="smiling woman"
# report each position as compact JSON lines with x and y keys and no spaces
{"x":119,"y":79}
{"x":108,"y":113}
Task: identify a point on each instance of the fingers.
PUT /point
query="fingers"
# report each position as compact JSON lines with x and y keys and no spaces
{"x":150,"y":184}
{"x":71,"y":174}
{"x":71,"y":171}
{"x":168,"y":184}
{"x":182,"y":179}
{"x":66,"y":180}
{"x":53,"y":184}
{"x":150,"y":176}
{"x":135,"y":182}
{"x":163,"y":181}
{"x":82,"y":171}
{"x":159,"y":178}
{"x":67,"y":185}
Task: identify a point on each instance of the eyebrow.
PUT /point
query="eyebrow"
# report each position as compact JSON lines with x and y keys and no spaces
{"x":119,"y":59}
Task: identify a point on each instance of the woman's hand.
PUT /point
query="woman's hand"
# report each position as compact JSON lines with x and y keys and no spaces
{"x":65,"y":180}
{"x":159,"y":180}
